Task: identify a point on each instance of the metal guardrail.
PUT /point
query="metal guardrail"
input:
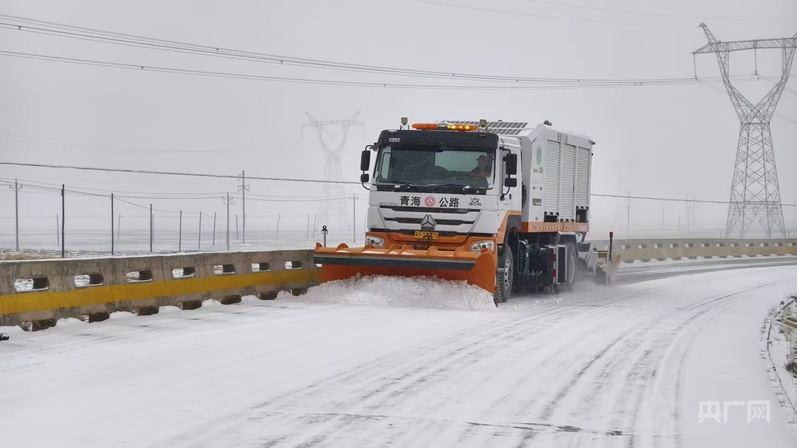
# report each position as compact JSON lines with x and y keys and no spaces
{"x":38,"y":292}
{"x":678,"y":249}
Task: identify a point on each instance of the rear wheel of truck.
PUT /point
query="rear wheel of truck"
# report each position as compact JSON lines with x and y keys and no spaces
{"x":504,"y":278}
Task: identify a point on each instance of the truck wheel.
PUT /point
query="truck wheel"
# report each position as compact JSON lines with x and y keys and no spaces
{"x":570,"y":265}
{"x":504,"y":279}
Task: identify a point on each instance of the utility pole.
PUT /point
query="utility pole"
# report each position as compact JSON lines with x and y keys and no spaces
{"x":755,"y":194}
{"x":151,"y":228}
{"x":629,"y":212}
{"x":112,"y":240}
{"x":63,"y":220}
{"x":17,"y":186}
{"x":228,"y":202}
{"x":180,"y":234}
{"x":686,"y":212}
{"x":243,"y":188}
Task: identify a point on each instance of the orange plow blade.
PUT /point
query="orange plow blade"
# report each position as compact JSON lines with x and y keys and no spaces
{"x":342,"y":262}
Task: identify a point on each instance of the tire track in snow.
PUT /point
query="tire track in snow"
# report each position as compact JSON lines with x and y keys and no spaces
{"x":376,"y":394}
{"x":642,"y":367}
{"x":472,"y":351}
{"x":416,"y":376}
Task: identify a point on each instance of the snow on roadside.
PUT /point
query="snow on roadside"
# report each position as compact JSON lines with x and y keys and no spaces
{"x":419,"y":292}
{"x":777,"y":349}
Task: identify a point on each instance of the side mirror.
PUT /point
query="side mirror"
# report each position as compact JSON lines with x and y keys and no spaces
{"x":364,"y":178}
{"x":365,"y":160}
{"x":510,"y":182}
{"x":511,"y":164}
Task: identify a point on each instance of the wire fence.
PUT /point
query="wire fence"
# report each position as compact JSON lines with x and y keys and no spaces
{"x":168,"y":233}
{"x":91,"y":222}
{"x":45,"y":218}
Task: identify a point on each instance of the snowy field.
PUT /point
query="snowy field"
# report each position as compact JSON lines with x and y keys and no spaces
{"x":353,"y":365}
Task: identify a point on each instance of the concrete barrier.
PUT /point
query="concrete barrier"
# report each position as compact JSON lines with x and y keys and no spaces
{"x":678,"y":249}
{"x":38,"y":292}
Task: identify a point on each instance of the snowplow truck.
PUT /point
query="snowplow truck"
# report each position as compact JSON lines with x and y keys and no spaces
{"x":502,"y":205}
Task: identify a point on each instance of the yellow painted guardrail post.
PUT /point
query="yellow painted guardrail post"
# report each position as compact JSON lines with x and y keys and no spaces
{"x":41,"y":291}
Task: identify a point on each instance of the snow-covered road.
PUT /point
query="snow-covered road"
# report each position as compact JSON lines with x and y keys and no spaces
{"x":626,"y":365}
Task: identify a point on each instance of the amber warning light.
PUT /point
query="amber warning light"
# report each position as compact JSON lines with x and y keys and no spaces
{"x":444,"y":127}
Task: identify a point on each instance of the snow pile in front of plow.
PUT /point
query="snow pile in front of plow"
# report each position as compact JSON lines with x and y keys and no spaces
{"x":421,"y":292}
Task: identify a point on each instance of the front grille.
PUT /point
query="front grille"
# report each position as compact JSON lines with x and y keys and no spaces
{"x":428,"y":209}
{"x":412,"y":232}
{"x":439,"y":222}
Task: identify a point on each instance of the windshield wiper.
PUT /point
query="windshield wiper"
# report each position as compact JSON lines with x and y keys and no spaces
{"x":396,"y":185}
{"x":462,"y":186}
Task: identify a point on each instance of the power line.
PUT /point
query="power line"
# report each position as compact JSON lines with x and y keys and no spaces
{"x":651,"y":198}
{"x":71,"y":191}
{"x":325,"y":199}
{"x":77,"y":190}
{"x":155,"y":209}
{"x":616,"y":196}
{"x":68,"y":31}
{"x":155,"y":195}
{"x":54,"y":190}
{"x":106,"y":149}
{"x":330,"y":82}
{"x":83,"y":33}
{"x":173,"y":173}
{"x":57,"y":191}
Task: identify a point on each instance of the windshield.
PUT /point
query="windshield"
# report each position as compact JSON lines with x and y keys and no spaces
{"x":426,"y":165}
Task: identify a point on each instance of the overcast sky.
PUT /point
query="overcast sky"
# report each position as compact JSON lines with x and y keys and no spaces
{"x":671,"y":141}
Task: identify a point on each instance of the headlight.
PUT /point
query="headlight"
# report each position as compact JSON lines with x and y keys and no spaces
{"x":477,"y":246}
{"x":375,"y":241}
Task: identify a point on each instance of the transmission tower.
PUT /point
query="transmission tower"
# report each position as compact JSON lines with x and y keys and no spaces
{"x":332,"y":136}
{"x":755,"y":195}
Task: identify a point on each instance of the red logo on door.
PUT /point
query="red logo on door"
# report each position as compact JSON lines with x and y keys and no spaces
{"x":429,"y":201}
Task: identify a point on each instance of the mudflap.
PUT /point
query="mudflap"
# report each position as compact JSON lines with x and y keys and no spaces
{"x":343,"y":262}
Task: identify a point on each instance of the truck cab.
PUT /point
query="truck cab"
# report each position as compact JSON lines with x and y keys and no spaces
{"x":443,"y":187}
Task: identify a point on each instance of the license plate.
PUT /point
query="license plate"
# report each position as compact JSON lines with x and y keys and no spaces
{"x":426,"y":235}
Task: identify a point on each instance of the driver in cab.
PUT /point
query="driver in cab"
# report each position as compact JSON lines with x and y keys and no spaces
{"x":484,"y":168}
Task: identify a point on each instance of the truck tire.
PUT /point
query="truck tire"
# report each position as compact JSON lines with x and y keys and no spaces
{"x":571,"y":266}
{"x":504,"y":279}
